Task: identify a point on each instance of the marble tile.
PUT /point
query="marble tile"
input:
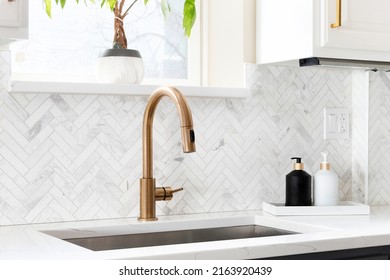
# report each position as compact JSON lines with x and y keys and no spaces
{"x":379,"y":139}
{"x":79,"y":157}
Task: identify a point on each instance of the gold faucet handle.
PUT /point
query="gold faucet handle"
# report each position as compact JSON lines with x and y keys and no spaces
{"x":166,"y":193}
{"x":177,"y":190}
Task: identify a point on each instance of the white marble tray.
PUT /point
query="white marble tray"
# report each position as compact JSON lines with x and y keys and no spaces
{"x":343,"y":208}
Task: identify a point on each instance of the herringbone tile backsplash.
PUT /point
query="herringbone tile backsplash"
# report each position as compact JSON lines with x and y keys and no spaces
{"x":379,"y":139}
{"x":78,"y":157}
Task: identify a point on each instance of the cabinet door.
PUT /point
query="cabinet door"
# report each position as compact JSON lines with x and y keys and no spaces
{"x":10,"y":13}
{"x":13,"y":20}
{"x":365,"y":25}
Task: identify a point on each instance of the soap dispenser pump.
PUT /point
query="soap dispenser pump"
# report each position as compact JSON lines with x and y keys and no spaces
{"x":325,"y":191}
{"x":298,"y":185}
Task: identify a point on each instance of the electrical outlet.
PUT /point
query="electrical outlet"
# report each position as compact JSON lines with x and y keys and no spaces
{"x":336,"y":123}
{"x":20,"y":57}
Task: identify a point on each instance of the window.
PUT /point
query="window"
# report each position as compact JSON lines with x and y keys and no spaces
{"x":65,"y":47}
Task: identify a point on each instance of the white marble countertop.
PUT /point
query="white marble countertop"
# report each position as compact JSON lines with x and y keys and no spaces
{"x":317,"y":234}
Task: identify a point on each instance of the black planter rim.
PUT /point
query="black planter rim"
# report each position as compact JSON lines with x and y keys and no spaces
{"x":121,"y":52}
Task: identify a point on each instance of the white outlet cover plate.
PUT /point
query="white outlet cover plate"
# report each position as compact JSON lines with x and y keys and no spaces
{"x":336,"y":123}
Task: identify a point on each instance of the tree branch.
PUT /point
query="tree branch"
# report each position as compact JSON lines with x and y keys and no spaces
{"x":128,"y":9}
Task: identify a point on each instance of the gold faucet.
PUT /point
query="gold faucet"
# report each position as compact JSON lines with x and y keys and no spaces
{"x":149,"y":194}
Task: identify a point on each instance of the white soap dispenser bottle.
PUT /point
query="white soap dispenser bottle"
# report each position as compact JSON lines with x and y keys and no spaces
{"x":325,"y":192}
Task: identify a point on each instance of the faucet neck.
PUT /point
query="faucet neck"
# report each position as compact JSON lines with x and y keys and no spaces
{"x":185,"y":116}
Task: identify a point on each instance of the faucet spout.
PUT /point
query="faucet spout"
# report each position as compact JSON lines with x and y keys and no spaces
{"x":148,"y":192}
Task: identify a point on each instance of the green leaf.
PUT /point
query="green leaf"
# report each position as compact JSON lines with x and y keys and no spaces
{"x":189,"y":16}
{"x":189,"y":11}
{"x":47,"y":4}
{"x":112,"y":3}
{"x":165,"y":8}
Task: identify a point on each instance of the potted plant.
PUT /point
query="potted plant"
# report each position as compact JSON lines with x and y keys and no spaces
{"x":120,"y":64}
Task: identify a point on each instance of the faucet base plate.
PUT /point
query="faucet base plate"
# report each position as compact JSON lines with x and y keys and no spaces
{"x":147,"y":219}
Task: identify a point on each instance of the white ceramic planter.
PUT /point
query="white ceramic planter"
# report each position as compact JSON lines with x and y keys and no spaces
{"x":123,"y":66}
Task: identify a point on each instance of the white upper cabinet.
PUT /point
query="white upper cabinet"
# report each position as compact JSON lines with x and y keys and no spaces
{"x":365,"y":25}
{"x":13,"y":19}
{"x":349,"y":29}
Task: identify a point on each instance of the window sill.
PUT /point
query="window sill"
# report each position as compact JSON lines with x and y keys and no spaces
{"x":38,"y":87}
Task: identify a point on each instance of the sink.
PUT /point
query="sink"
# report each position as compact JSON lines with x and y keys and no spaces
{"x":169,"y":237}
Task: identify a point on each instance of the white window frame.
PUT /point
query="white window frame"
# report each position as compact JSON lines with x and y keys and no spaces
{"x":195,"y":55}
{"x":195,"y":62}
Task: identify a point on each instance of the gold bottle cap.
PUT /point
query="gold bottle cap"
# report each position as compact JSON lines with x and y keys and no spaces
{"x":299,"y":166}
{"x":325,"y":166}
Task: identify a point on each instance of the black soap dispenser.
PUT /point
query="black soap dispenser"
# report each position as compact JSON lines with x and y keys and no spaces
{"x":298,"y":185}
